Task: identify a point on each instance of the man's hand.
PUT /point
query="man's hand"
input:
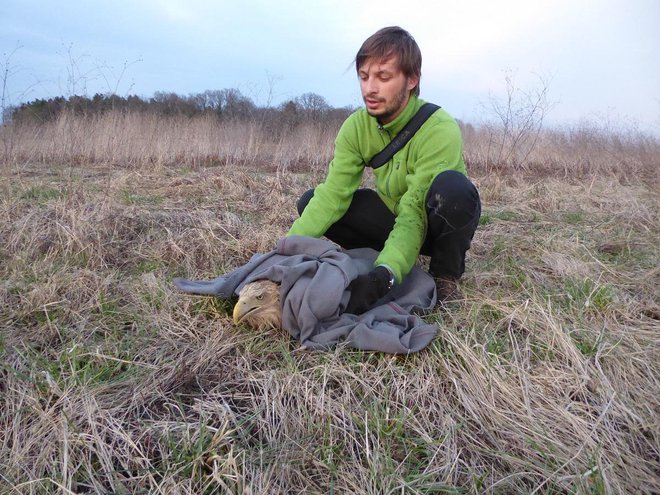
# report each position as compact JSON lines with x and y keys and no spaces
{"x":367,"y":289}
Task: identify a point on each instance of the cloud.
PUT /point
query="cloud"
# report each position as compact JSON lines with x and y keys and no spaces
{"x":178,"y":11}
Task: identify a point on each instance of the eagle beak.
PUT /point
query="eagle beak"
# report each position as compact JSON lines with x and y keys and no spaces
{"x":238,"y":312}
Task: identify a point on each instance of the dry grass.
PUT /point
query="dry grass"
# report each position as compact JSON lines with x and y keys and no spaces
{"x":141,"y":139}
{"x":543,"y":380}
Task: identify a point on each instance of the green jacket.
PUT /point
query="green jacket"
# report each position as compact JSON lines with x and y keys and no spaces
{"x":402,"y":183}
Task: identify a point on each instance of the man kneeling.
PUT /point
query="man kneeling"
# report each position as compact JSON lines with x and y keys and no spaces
{"x":423,"y":203}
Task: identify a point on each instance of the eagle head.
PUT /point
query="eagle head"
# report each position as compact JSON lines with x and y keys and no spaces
{"x":258,"y":305}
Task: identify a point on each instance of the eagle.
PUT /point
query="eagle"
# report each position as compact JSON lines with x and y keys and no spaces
{"x":258,"y":305}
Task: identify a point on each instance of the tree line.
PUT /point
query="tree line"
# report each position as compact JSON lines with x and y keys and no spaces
{"x":225,"y":105}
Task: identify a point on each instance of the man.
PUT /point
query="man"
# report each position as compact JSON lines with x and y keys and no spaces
{"x":423,"y":201}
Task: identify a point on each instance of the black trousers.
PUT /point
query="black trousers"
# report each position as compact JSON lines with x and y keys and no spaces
{"x":453,"y":209}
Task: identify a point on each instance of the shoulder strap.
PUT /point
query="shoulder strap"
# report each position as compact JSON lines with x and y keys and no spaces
{"x":400,"y":140}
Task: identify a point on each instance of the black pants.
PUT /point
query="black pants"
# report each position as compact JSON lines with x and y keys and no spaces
{"x":453,"y":208}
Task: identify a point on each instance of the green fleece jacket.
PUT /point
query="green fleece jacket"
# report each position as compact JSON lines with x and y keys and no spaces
{"x":402,"y":183}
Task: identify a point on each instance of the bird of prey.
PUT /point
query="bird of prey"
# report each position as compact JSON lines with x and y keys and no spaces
{"x":258,"y":305}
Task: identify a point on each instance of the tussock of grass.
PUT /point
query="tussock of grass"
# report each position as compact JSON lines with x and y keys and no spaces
{"x":543,"y":380}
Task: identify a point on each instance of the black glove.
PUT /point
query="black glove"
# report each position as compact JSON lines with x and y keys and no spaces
{"x":367,"y":289}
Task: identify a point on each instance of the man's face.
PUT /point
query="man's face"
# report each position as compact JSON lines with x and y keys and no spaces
{"x":385,"y":89}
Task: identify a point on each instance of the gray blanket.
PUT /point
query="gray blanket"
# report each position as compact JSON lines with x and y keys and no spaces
{"x":314,"y":275}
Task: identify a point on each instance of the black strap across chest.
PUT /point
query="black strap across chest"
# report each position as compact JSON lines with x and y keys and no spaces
{"x":400,"y":140}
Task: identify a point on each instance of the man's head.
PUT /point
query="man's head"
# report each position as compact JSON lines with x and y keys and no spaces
{"x":389,"y":65}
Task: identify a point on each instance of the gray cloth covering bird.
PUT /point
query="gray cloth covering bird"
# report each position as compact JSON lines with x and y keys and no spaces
{"x":313,"y":277}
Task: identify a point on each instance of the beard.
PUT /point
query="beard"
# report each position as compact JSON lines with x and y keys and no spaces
{"x":392,"y":107}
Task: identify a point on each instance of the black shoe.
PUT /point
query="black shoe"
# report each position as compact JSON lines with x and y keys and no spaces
{"x":447,"y":290}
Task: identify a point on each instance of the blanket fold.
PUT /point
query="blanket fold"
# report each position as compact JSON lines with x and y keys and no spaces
{"x":314,"y":275}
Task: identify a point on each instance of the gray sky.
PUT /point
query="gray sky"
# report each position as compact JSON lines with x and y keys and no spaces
{"x":601,"y":57}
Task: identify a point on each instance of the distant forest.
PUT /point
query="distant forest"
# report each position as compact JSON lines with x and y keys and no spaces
{"x":225,"y":104}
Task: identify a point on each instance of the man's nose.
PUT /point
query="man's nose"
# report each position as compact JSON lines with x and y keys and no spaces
{"x":372,"y":85}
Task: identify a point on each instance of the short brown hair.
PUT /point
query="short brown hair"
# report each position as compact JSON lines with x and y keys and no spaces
{"x":393,"y":41}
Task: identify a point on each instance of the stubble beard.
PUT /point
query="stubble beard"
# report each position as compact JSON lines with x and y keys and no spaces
{"x":392,"y":109}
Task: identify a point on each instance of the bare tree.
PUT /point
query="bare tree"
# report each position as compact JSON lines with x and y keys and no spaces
{"x":313,"y":105}
{"x":78,"y":72}
{"x":516,"y":120}
{"x":9,"y":70}
{"x":113,"y":79}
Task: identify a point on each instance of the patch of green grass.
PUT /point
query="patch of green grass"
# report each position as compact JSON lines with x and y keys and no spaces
{"x":592,"y":482}
{"x":278,"y":348}
{"x":588,"y":342}
{"x":329,"y":453}
{"x":133,"y":199}
{"x":203,"y":454}
{"x":212,"y":307}
{"x":585,"y":346}
{"x":154,"y":296}
{"x":516,"y":270}
{"x":116,"y":316}
{"x":507,"y":216}
{"x":487,"y":313}
{"x":44,"y":315}
{"x":488,"y":217}
{"x":497,"y":345}
{"x":41,"y":194}
{"x":489,"y":324}
{"x":79,"y":365}
{"x":91,"y":368}
{"x":587,"y":295}
{"x":625,"y":255}
{"x":542,"y":351}
{"x":440,"y":347}
{"x":573,"y":217}
{"x":148,"y":265}
{"x":397,"y":452}
{"x":500,"y":245}
{"x":107,"y":304}
{"x":478,"y":482}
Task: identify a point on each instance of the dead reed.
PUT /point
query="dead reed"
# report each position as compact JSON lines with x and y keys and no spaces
{"x":136,"y":140}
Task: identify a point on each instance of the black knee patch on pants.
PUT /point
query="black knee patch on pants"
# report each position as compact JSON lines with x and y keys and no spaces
{"x":453,"y":207}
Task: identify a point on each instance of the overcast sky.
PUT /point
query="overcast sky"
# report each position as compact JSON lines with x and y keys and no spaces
{"x":600,"y":58}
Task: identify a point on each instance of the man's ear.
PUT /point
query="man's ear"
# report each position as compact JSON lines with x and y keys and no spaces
{"x":412,"y":82}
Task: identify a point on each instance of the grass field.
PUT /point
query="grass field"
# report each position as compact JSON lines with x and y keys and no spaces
{"x":544,"y":379}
